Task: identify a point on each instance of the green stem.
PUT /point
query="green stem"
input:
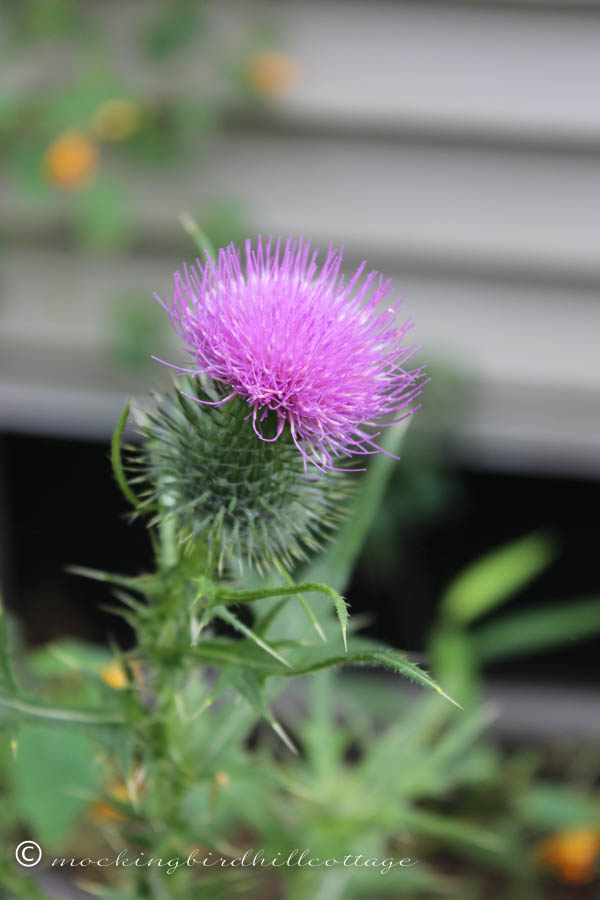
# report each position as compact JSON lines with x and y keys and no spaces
{"x":168,"y":542}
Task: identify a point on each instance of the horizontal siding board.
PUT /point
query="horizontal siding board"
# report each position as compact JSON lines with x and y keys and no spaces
{"x":511,"y":67}
{"x":501,"y":208}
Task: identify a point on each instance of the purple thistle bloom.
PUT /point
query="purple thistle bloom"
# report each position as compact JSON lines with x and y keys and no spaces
{"x":294,"y":340}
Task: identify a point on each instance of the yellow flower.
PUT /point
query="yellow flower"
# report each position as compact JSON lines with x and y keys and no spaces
{"x":114,"y":675}
{"x":105,"y":811}
{"x":116,"y":120}
{"x":123,"y":795}
{"x":71,"y":160}
{"x":572,"y":854}
{"x":271,"y":73}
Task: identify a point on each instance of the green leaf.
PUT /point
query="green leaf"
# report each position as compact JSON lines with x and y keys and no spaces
{"x":116,"y":460}
{"x":556,"y":807}
{"x":53,"y":773}
{"x":489,"y":581}
{"x":538,"y":630}
{"x":248,"y":686}
{"x":67,"y":655}
{"x":144,"y":584}
{"x":247,"y":596}
{"x":309,"y":613}
{"x":387,"y":659}
{"x":451,"y":830}
{"x":264,"y":623}
{"x":226,"y":616}
{"x":223,"y":652}
{"x":34,"y":709}
{"x":454,"y":663}
{"x":334,"y":566}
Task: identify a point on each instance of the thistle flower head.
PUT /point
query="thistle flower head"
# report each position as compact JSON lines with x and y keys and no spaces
{"x":319,"y":356}
{"x":202,"y":463}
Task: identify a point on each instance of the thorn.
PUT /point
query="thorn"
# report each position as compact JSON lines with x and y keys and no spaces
{"x":320,"y":631}
{"x":283,"y":735}
{"x":204,"y":706}
{"x":448,"y":697}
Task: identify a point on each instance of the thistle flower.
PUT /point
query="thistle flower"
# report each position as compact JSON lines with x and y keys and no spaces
{"x":302,"y":347}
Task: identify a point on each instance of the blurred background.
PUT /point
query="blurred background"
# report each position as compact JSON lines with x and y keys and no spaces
{"x":455,"y":146}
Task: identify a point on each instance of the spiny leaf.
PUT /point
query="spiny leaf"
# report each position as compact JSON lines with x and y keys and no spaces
{"x":222,"y":652}
{"x":387,"y":659}
{"x":117,"y":462}
{"x":313,"y":619}
{"x":144,"y":584}
{"x":232,"y":620}
{"x":248,"y":686}
{"x":280,"y":732}
{"x":247,"y":596}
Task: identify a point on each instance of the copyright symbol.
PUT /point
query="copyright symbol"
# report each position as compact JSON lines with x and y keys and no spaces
{"x":28,"y":853}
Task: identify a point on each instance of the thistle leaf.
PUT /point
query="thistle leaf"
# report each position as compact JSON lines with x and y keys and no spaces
{"x":222,"y":652}
{"x":248,"y":686}
{"x":144,"y":584}
{"x":387,"y":659}
{"x":232,"y":620}
{"x":226,"y":595}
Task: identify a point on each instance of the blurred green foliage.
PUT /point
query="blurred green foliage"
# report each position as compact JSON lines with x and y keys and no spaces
{"x":380,"y":772}
{"x":161,"y":124}
{"x":83,"y":109}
